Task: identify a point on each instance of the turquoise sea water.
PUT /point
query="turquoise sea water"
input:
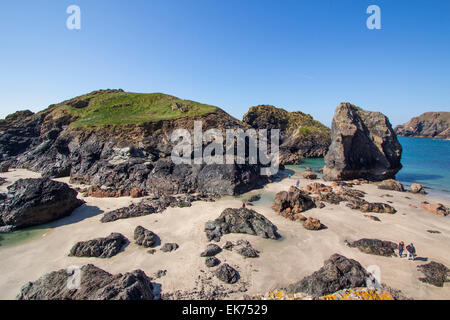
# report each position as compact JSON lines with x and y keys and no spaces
{"x":426,"y":161}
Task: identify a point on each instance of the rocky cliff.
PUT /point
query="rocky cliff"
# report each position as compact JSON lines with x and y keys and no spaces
{"x":121,"y":140}
{"x":301,"y":136}
{"x":363,"y":145}
{"x":427,"y":125}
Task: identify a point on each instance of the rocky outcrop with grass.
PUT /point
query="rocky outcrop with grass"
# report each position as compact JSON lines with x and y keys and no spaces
{"x":363,"y":145}
{"x":427,"y":125}
{"x":301,"y":136}
{"x":119,"y":141}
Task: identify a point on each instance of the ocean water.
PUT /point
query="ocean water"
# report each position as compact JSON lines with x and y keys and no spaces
{"x":425,"y":161}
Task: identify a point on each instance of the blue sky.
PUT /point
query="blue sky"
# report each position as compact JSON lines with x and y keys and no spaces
{"x":299,"y":55}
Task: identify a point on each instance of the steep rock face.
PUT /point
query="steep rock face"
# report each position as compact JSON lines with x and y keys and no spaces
{"x":301,"y":136}
{"x":32,"y":202}
{"x":95,"y":284}
{"x":122,"y":141}
{"x":427,"y":125}
{"x":363,"y":145}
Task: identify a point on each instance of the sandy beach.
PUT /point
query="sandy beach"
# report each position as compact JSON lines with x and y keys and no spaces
{"x":297,"y":254}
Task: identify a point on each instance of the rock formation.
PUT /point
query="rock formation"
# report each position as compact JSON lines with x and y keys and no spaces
{"x":337,"y":273}
{"x":95,"y":284}
{"x":169,"y":247}
{"x":211,"y":250}
{"x":313,"y":224}
{"x":31,"y":202}
{"x":144,"y":237}
{"x":435,"y":208}
{"x":427,"y":125}
{"x":363,"y":145}
{"x":227,"y":274}
{"x":435,"y":273}
{"x":90,"y":139}
{"x":241,"y":220}
{"x":290,"y":203}
{"x":391,"y":184}
{"x":300,"y":135}
{"x":99,"y":247}
{"x":375,"y":246}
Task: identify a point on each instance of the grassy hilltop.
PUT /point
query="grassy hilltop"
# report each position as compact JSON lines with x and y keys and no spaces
{"x":116,"y":107}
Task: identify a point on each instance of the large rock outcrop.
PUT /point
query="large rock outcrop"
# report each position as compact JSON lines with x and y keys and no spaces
{"x":300,"y":135}
{"x":427,"y":125}
{"x":120,"y":140}
{"x":292,"y":202}
{"x":363,"y":145}
{"x":337,"y":273}
{"x":241,"y":220}
{"x":32,"y":202}
{"x":95,"y":284}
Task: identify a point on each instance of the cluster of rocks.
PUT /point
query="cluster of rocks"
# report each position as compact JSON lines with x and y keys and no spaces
{"x":242,"y":247}
{"x":31,"y":202}
{"x":95,"y":284}
{"x":242,"y":220}
{"x":374,"y":246}
{"x":144,"y":237}
{"x":225,"y":272}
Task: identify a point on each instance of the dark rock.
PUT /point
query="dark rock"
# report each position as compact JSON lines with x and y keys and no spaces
{"x":435,"y":273}
{"x":377,"y":208}
{"x":145,"y":237}
{"x":292,"y":202}
{"x":391,"y":184}
{"x":300,"y":135}
{"x":4,"y":166}
{"x":227,"y":274}
{"x":212,"y":262}
{"x":245,"y":249}
{"x":254,"y":198}
{"x":95,"y":284}
{"x":160,"y":273}
{"x":211,"y":250}
{"x":168,"y":247}
{"x":32,"y":202}
{"x":241,"y":220}
{"x":363,"y":145}
{"x":375,"y":246}
{"x":337,"y":273}
{"x":228,"y":245}
{"x":99,"y":247}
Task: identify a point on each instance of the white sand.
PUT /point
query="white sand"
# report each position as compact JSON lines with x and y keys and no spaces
{"x":299,"y":253}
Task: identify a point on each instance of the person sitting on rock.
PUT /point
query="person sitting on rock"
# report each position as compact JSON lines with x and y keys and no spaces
{"x":411,"y":251}
{"x":401,"y":248}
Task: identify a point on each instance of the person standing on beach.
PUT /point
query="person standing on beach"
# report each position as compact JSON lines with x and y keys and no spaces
{"x":298,"y":183}
{"x":411,"y":251}
{"x":243,"y":204}
{"x":401,"y":247}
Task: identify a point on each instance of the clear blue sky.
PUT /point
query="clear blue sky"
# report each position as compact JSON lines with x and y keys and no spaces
{"x":299,"y":55}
